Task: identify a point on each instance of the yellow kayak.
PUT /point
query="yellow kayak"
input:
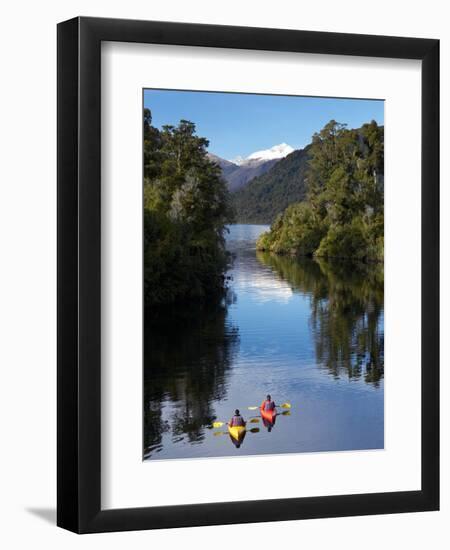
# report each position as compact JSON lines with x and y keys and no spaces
{"x":237,"y":432}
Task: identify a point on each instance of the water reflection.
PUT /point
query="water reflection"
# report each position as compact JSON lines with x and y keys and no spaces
{"x":269,"y":424}
{"x":308,"y":332}
{"x":188,"y":353}
{"x":346,"y":312}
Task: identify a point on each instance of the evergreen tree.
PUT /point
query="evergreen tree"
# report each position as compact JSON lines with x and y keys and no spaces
{"x":343,"y":214}
{"x":186,"y":208}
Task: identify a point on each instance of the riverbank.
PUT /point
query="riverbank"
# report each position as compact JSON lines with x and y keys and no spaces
{"x":297,"y":233}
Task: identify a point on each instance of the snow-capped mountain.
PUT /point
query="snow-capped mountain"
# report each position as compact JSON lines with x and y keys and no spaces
{"x":276,"y":152}
{"x":240,"y":171}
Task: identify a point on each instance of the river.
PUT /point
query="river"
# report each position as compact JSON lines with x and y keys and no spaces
{"x":309,"y":333}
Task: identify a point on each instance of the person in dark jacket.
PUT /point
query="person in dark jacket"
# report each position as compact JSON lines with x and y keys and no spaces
{"x":236,"y":420}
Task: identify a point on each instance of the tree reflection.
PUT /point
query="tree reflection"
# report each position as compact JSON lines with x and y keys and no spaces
{"x":188,"y":351}
{"x":346,"y":312}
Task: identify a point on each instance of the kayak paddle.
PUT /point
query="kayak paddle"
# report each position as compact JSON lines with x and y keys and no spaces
{"x":282,"y":406}
{"x":218,"y":424}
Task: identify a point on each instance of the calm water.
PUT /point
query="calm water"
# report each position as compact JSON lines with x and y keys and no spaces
{"x":306,"y":332}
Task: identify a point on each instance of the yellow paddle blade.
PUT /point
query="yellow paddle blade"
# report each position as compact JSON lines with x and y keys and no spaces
{"x":254,"y":421}
{"x":286,"y":413}
{"x":254,"y":430}
{"x":285,"y":406}
{"x":252,"y":408}
{"x":218,"y":424}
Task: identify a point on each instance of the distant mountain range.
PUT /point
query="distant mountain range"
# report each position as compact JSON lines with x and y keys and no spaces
{"x":262,"y":198}
{"x":276,"y":152}
{"x":267,"y":182}
{"x":240,"y":171}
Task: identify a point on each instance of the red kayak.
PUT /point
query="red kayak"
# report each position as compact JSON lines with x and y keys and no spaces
{"x":268,"y":415}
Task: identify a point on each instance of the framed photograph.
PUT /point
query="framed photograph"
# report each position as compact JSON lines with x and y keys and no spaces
{"x":248,"y":288}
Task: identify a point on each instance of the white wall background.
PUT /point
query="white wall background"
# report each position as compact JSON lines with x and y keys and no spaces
{"x":28,"y":269}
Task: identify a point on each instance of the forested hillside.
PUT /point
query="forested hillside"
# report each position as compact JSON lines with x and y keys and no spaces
{"x":342,"y":215}
{"x":186,"y":208}
{"x":265,"y":196}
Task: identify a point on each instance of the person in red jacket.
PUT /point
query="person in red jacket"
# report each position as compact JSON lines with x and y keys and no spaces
{"x":268,"y":404}
{"x":268,"y":407}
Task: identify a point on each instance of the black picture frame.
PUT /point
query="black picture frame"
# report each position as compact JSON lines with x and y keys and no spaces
{"x":79,"y":281}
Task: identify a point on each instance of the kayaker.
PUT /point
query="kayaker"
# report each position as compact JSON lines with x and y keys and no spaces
{"x":268,"y":404}
{"x":236,"y":420}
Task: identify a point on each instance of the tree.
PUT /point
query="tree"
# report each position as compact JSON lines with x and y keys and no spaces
{"x":152,"y":141}
{"x":343,"y":214}
{"x":186,"y":209}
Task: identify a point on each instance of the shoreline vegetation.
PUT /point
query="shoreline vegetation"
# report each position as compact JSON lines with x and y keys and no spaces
{"x":342,"y":215}
{"x":186,"y":210}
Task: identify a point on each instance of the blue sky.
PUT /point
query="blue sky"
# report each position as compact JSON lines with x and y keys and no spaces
{"x":239,"y":124}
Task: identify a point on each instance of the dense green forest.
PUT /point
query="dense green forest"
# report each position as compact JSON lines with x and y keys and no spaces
{"x":267,"y":195}
{"x":186,"y":208}
{"x":342,"y":215}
